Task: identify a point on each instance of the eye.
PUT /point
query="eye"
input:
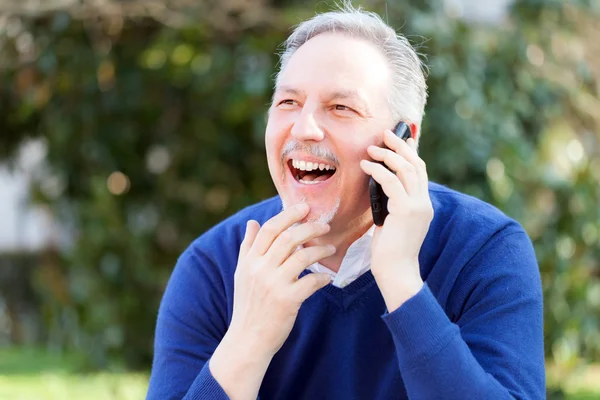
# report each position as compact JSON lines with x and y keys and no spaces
{"x":287,"y":103}
{"x":343,"y":109}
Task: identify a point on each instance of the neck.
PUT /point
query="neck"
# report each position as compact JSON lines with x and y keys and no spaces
{"x":342,"y":236}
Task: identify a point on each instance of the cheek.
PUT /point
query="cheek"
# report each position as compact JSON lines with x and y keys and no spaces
{"x":354,"y":175}
{"x":275,"y":135}
{"x":273,"y":157}
{"x":354,"y":152}
{"x":273,"y":138}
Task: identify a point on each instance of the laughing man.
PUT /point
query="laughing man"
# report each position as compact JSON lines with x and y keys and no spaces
{"x":443,"y":301}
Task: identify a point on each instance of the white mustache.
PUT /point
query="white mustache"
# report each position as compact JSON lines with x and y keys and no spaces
{"x":315,"y":151}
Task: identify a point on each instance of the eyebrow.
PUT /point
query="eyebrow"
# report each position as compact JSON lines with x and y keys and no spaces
{"x":343,"y":94}
{"x":349,"y":94}
{"x":289,"y":89}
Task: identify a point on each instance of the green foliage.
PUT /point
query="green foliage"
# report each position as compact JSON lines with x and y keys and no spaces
{"x":155,"y":133}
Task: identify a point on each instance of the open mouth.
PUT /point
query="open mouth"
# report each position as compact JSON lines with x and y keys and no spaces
{"x":310,"y":173}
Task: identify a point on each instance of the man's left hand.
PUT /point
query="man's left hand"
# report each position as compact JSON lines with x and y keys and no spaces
{"x":396,"y":244}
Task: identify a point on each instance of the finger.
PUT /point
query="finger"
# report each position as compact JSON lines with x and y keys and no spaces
{"x":421,"y":164}
{"x":389,"y":182}
{"x":288,"y":241}
{"x":302,"y":259}
{"x":276,"y":225}
{"x":404,"y":170}
{"x":412,"y":144}
{"x":309,"y":284}
{"x":252,"y":228}
{"x":408,"y":151}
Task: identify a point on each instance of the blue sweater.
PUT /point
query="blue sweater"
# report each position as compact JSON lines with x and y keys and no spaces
{"x":475,"y":330}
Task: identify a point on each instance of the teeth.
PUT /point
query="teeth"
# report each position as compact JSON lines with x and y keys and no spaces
{"x":310,"y":166}
{"x":308,"y":182}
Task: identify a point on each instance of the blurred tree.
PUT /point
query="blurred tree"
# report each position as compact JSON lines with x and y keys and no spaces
{"x":154,"y":132}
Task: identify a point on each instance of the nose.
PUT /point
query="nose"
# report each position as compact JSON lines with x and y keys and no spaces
{"x":306,"y":127}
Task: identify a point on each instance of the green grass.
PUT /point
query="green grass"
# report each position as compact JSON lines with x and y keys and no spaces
{"x":55,"y":386}
{"x":28,"y":361}
{"x":29,"y":374}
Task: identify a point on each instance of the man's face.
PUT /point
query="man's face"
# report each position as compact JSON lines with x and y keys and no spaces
{"x":329,"y":105}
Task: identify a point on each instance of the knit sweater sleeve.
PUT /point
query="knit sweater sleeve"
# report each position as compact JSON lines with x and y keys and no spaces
{"x":192,"y":320}
{"x":494,"y":347}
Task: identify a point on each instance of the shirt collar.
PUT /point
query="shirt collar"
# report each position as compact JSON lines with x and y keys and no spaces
{"x":356,"y":262}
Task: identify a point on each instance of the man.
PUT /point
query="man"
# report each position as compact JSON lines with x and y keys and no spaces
{"x":315,"y":302}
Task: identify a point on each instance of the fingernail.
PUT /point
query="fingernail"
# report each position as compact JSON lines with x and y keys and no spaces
{"x":332,"y":248}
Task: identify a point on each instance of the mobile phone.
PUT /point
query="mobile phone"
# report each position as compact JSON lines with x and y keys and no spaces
{"x":378,"y":199}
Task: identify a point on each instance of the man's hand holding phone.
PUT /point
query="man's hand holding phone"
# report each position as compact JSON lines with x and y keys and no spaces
{"x":396,"y":243}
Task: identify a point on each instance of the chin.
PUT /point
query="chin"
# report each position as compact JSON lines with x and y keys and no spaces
{"x":324,"y":213}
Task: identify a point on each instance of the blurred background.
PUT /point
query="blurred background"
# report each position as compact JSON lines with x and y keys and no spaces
{"x":128,"y":128}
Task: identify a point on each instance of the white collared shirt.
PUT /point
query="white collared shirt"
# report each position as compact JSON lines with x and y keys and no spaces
{"x":356,"y":262}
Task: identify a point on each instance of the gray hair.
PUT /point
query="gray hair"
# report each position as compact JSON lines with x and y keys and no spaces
{"x":408,"y":96}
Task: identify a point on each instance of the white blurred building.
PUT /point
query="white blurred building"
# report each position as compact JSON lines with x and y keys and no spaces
{"x":22,"y":226}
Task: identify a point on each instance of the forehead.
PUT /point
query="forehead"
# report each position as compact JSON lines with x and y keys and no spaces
{"x":340,"y":64}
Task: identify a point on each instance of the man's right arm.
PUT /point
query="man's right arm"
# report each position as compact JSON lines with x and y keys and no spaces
{"x":192,"y":326}
{"x":192,"y":321}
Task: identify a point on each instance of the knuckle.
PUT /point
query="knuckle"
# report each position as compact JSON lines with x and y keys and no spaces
{"x":302,"y":257}
{"x":286,"y":237}
{"x":409,"y":167}
{"x":389,"y":156}
{"x":391,"y":178}
{"x":269,"y":228}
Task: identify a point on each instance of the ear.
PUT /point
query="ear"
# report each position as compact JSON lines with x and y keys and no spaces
{"x":414,"y":131}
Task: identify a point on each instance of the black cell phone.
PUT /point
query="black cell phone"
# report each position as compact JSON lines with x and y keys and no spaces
{"x":378,"y":199}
